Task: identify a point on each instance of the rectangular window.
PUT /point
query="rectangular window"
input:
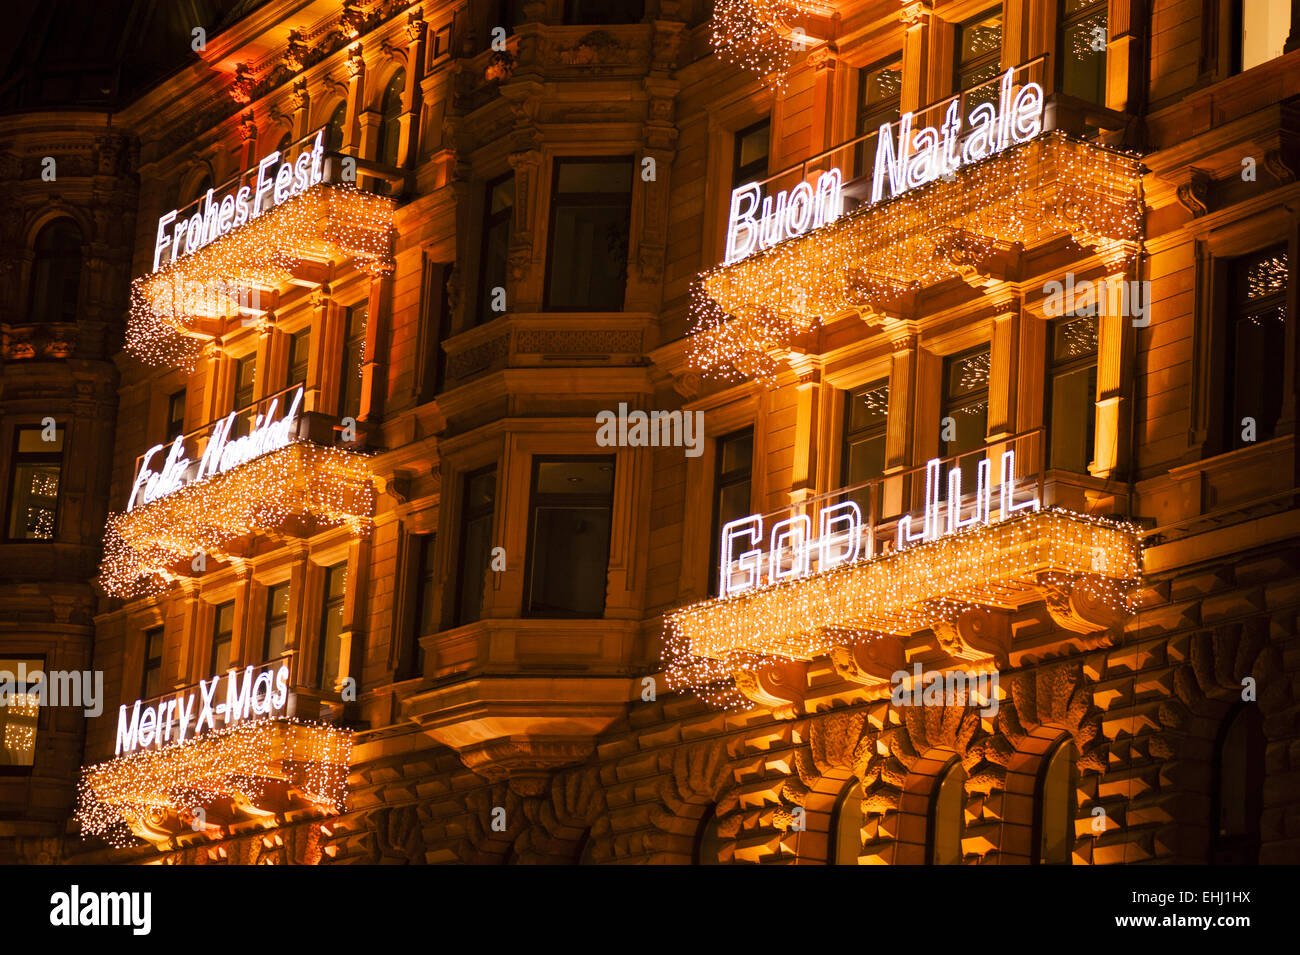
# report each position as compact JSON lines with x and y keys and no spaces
{"x":223,"y":635}
{"x":477,"y":510}
{"x":1072,"y":393}
{"x":494,"y":257}
{"x":299,"y":358}
{"x":245,"y":377}
{"x":277,"y":621}
{"x":749,"y":162}
{"x":425,"y":622}
{"x":733,"y":477}
{"x":331,"y":626}
{"x":865,"y":416}
{"x":569,"y":525}
{"x":979,"y":59}
{"x":603,"y":11}
{"x":591,"y":210}
{"x":880,"y":90}
{"x":175,"y":415}
{"x":34,"y":491}
{"x":151,"y":677}
{"x":965,"y":416}
{"x":1082,"y":43}
{"x":354,"y":346}
{"x":18,"y":715}
{"x":1260,"y":29}
{"x":1257,"y":287}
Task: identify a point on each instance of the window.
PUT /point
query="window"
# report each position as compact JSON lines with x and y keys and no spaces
{"x":494,"y":257}
{"x":1055,"y":804}
{"x":1082,"y":42}
{"x":569,"y":527}
{"x":354,"y":346}
{"x":731,"y":493}
{"x":847,"y":825}
{"x":277,"y":621}
{"x":880,"y":90}
{"x":591,"y":205}
{"x":331,"y":627}
{"x":603,"y":11}
{"x":947,"y":815}
{"x":334,"y":128}
{"x":1072,"y":393}
{"x":151,"y":676}
{"x":18,"y":715}
{"x":866,"y":412}
{"x":425,"y":623}
{"x":299,"y":357}
{"x":708,"y":841}
{"x":245,"y":379}
{"x":390,"y":122}
{"x":1238,"y":799}
{"x":1260,"y":29}
{"x":34,"y":493}
{"x":1256,"y":343}
{"x":965,"y":414}
{"x":175,"y":415}
{"x":223,"y":635}
{"x":476,"y":514}
{"x":979,"y":58}
{"x":749,"y":164}
{"x":56,"y":273}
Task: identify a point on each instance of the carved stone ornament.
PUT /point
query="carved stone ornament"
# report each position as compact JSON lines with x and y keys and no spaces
{"x":781,"y":687}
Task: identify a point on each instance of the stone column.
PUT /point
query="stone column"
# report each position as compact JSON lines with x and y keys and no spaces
{"x":412,"y":96}
{"x":916,"y":55}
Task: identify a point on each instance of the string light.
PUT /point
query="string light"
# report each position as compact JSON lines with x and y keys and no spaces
{"x":899,"y":593}
{"x":758,"y":35}
{"x":747,"y":315}
{"x":183,"y":779}
{"x":331,"y":485}
{"x":327,"y":221}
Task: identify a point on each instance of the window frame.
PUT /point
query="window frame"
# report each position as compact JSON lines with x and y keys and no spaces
{"x":217,"y":633}
{"x":721,"y":481}
{"x":1067,"y":366}
{"x":346,"y":373}
{"x":148,"y":664}
{"x":739,"y":175}
{"x":492,"y":220}
{"x":34,"y":662}
{"x":1063,"y":23}
{"x":465,"y":517}
{"x":33,"y":457}
{"x":328,"y":603}
{"x":585,"y":200}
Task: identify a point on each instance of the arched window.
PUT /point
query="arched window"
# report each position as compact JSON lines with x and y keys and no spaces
{"x":1055,"y":805}
{"x":947,"y":815}
{"x":56,"y":273}
{"x":846,"y":825}
{"x":334,"y":128}
{"x":390,"y":127}
{"x":1238,"y":788}
{"x":708,"y":843}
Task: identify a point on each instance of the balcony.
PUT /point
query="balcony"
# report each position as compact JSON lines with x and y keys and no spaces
{"x":829,"y":578}
{"x":207,"y":273}
{"x":213,"y":491}
{"x":252,"y":765}
{"x":963,"y":208}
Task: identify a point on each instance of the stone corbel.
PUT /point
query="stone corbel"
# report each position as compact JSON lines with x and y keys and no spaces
{"x":688,"y":385}
{"x":1082,"y":604}
{"x":976,"y":634}
{"x":1192,"y":186}
{"x":914,"y":14}
{"x":781,"y":687}
{"x":869,"y":663}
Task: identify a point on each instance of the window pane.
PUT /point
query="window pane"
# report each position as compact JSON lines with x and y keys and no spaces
{"x":1083,"y":53}
{"x":595,"y":177}
{"x":18,"y":716}
{"x":1265,"y":25}
{"x":475,"y":545}
{"x":1056,"y":810}
{"x":32,"y":441}
{"x":1074,"y":418}
{"x":868,"y":407}
{"x":968,"y":374}
{"x":570,"y":533}
{"x":353,"y":351}
{"x":34,"y":501}
{"x":299,"y":357}
{"x":589,"y":257}
{"x":848,"y":827}
{"x":948,"y":820}
{"x":736,"y":452}
{"x":866,"y":461}
{"x":981,"y":37}
{"x":1257,"y":341}
{"x":575,"y":477}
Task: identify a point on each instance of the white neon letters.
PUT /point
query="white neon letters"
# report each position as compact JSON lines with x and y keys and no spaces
{"x":174,"y":719}
{"x":217,"y":218}
{"x":791,"y":550}
{"x":220,"y":454}
{"x":759,"y":223}
{"x":927,"y":154}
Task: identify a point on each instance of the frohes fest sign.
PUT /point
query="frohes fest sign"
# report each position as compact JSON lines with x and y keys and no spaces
{"x":792,"y":550}
{"x":200,"y":709}
{"x":917,"y":157}
{"x":216,"y":218}
{"x":219,"y":455}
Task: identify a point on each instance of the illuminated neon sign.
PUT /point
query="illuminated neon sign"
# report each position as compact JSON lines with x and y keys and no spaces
{"x":929,"y":154}
{"x":756,"y":222}
{"x":215,"y":219}
{"x":792,"y":549}
{"x":219,"y":455}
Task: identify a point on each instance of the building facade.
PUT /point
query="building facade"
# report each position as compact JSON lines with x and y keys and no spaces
{"x":462,"y":433}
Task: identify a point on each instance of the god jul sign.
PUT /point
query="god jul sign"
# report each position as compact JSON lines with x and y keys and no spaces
{"x":217,"y":218}
{"x":219,"y":455}
{"x":196,"y":710}
{"x":917,"y":157}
